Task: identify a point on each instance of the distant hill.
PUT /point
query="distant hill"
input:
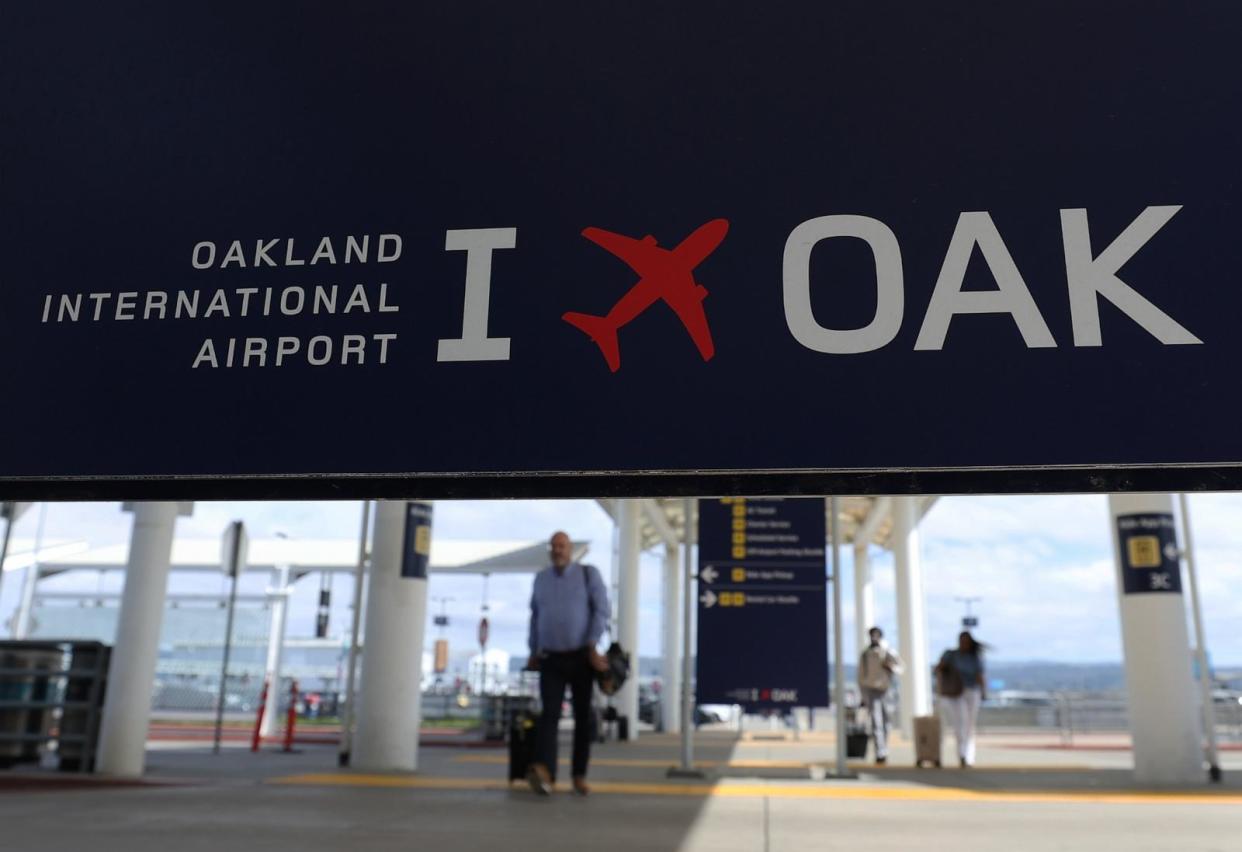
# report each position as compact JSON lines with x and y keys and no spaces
{"x":1025,"y":676}
{"x":1033,"y":676}
{"x":1036,"y":676}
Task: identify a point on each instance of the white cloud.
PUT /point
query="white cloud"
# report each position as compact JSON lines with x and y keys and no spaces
{"x":1080,"y":519}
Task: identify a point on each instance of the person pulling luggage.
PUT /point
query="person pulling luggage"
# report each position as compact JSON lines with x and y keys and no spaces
{"x":960,"y":682}
{"x":568,"y":615}
{"x":876,"y":667}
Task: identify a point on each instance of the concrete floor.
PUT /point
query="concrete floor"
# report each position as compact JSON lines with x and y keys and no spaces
{"x":759,"y":796}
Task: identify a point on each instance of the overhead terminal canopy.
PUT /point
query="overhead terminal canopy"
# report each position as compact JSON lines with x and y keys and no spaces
{"x":25,"y":552}
{"x":662,"y":522}
{"x":861,"y":519}
{"x":303,"y":556}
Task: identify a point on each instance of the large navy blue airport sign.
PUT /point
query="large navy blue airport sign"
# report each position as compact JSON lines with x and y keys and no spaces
{"x":478,"y":247}
{"x":762,"y":579}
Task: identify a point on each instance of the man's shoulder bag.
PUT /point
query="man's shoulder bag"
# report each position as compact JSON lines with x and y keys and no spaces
{"x":618,"y":672}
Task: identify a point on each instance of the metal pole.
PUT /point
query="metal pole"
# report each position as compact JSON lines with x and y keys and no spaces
{"x":234,"y":556}
{"x":347,"y":721}
{"x":21,"y":621}
{"x":1205,"y":678}
{"x":7,"y":513}
{"x":686,"y":768}
{"x":838,"y":655}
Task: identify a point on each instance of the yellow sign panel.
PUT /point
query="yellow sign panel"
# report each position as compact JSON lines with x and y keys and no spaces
{"x":739,"y":524}
{"x":739,"y":553}
{"x":739,"y":575}
{"x":1144,"y":551}
{"x":422,"y":540}
{"x":739,"y":511}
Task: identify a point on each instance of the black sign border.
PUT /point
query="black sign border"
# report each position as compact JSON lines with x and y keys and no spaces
{"x":590,"y":484}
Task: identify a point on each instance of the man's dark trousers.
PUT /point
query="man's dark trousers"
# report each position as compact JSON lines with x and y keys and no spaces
{"x":557,"y":670}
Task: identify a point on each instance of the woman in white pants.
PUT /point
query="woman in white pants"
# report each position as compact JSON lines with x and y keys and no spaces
{"x":960,"y":676}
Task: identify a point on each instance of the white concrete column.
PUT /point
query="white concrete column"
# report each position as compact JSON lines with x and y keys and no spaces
{"x":1160,"y":689}
{"x":278,"y":597}
{"x":131,"y":676}
{"x":389,"y":695}
{"x":630,"y":545}
{"x":864,"y":597}
{"x":911,"y":613}
{"x":670,"y":692}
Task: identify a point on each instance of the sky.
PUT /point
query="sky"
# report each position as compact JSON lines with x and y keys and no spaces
{"x":1042,"y":566}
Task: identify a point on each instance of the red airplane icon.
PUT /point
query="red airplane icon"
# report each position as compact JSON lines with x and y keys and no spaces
{"x":665,"y":274}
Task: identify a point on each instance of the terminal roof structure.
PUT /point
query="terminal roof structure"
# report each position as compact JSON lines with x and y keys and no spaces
{"x":861,"y":519}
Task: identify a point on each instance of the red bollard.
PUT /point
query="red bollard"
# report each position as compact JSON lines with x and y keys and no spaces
{"x":258,"y":720}
{"x":291,"y":717}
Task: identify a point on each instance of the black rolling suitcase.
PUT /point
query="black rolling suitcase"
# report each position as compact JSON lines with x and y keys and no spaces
{"x":856,"y":735}
{"x":521,"y":744}
{"x":856,"y":739}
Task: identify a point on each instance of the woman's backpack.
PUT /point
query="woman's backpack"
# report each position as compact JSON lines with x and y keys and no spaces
{"x":948,"y":678}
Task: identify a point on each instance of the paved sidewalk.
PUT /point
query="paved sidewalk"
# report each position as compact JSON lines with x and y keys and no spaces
{"x":759,"y":795}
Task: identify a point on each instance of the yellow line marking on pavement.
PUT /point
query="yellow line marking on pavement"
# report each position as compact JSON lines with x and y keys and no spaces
{"x":415,"y":782}
{"x":501,"y":760}
{"x":779,"y":791}
{"x":747,"y":763}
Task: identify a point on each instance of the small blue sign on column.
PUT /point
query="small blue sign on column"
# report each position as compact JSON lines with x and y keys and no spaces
{"x":416,"y":547}
{"x":1150,"y":559}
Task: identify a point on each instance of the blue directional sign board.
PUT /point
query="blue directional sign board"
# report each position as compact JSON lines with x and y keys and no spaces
{"x":416,"y":544}
{"x":762,"y":580}
{"x":472,"y":248}
{"x":1150,"y":559}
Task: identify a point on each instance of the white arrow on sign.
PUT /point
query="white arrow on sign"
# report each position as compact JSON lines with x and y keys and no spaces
{"x":708,"y":574}
{"x":708,"y":598}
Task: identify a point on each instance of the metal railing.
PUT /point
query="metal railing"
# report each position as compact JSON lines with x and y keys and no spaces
{"x":1072,"y":714}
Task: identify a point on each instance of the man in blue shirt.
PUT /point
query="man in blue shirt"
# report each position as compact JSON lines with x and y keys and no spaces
{"x":568,"y":614}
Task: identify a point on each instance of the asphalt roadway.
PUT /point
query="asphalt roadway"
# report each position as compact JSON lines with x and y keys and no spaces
{"x":758,"y":795}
